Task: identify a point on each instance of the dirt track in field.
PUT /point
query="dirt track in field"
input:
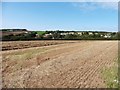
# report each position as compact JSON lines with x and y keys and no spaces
{"x":73,"y":65}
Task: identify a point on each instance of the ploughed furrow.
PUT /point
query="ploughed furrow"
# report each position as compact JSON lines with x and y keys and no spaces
{"x":72,"y":79}
{"x":38,"y":59}
{"x":88,"y":76}
{"x":13,"y":45}
{"x":74,"y":65}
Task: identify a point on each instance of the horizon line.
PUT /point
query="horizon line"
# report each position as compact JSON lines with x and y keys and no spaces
{"x":80,"y":30}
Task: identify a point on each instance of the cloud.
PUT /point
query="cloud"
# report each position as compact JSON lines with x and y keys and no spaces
{"x":109,"y":5}
{"x":95,"y":5}
{"x":84,"y":5}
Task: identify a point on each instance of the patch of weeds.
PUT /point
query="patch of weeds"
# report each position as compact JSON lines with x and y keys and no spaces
{"x":21,"y":57}
{"x":26,"y":55}
{"x":110,"y":75}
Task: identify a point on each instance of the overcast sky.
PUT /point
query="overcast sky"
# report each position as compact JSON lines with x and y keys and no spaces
{"x":60,"y":15}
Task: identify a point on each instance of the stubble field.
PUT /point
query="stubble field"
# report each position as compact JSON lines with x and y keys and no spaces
{"x":73,"y":64}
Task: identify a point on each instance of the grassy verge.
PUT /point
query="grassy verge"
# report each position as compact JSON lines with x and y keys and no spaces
{"x":110,"y":75}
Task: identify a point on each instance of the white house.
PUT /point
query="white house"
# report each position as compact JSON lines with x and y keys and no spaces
{"x":107,"y":36}
{"x":90,"y":33}
{"x":80,"y":33}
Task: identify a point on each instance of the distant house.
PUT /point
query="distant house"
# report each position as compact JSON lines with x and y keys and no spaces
{"x":107,"y":36}
{"x":96,"y":33}
{"x":71,"y":32}
{"x":26,"y":32}
{"x":47,"y":35}
{"x":80,"y":33}
{"x":50,"y":33}
{"x":101,"y":35}
{"x":90,"y":33}
{"x":63,"y":33}
{"x":37,"y":36}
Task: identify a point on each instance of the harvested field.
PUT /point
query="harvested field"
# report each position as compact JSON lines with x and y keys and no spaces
{"x":12,"y":45}
{"x":67,"y":65}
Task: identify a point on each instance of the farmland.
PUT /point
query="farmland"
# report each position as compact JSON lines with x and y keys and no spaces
{"x":65,"y":64}
{"x":12,"y":45}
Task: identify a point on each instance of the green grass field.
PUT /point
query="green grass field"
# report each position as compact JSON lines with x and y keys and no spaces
{"x":40,"y":32}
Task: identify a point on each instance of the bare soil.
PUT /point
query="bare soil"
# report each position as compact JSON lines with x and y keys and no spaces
{"x":13,"y":45}
{"x":68,"y":65}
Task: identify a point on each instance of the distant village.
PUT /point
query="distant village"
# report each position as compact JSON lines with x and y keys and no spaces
{"x":24,"y":34}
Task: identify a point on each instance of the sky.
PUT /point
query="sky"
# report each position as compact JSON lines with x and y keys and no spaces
{"x":93,"y":16}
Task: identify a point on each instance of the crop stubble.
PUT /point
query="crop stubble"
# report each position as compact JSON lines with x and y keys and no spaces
{"x":73,"y":65}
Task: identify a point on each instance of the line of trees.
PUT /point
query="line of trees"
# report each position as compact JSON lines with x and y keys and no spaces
{"x":56,"y":35}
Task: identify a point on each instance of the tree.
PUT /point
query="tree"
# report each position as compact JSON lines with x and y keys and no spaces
{"x":71,"y":36}
{"x":56,"y":35}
